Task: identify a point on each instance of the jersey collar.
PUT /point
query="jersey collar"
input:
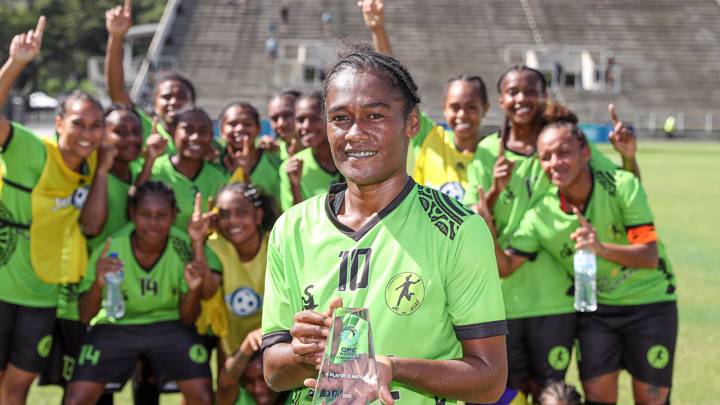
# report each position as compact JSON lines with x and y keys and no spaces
{"x":336,"y":196}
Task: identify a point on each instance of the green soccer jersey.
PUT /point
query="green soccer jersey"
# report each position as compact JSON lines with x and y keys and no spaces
{"x":527,"y":185}
{"x":151,"y":295}
{"x":616,"y":206}
{"x":423,"y":266}
{"x":146,"y":123}
{"x":207,"y":182}
{"x":25,"y":156}
{"x":244,"y":398}
{"x":315,"y":179}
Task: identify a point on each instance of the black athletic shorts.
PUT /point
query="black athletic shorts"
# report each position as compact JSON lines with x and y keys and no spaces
{"x":539,"y":348}
{"x":26,"y":336}
{"x":110,"y":353}
{"x":67,"y":339}
{"x":638,"y":338}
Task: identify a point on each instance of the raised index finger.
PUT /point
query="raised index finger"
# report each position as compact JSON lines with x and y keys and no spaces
{"x":613,"y":114}
{"x":583,"y":221}
{"x":198,"y":205}
{"x":246,"y":146}
{"x":106,"y":247}
{"x":40,"y":28}
{"x":128,"y":6}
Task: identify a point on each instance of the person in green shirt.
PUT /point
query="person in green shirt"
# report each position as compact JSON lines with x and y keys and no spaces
{"x":604,"y":211}
{"x":420,"y":262}
{"x":241,"y":159}
{"x":163,"y":282}
{"x":186,"y":171}
{"x":173,"y":91}
{"x":33,"y":166}
{"x":281,"y":111}
{"x":312,"y":170}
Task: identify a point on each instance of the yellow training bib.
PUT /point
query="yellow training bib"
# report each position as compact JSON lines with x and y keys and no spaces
{"x":57,"y":246}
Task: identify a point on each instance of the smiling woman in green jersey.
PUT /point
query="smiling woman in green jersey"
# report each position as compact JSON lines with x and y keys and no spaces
{"x":186,"y":171}
{"x":281,"y":111}
{"x":172,"y":93}
{"x":162,"y":288}
{"x":242,"y":159}
{"x":635,"y":325}
{"x":45,"y":188}
{"x":312,"y":170}
{"x":438,"y":157}
{"x":397,"y":235}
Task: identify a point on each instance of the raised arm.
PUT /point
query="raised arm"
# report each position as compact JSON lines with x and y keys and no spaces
{"x":374,"y":16}
{"x":94,"y":213}
{"x":118,"y":21}
{"x":625,"y":143}
{"x":89,"y":303}
{"x":24,"y":48}
{"x":198,"y":230}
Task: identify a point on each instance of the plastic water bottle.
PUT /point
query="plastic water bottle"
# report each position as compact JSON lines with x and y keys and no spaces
{"x":114,"y":303}
{"x":585,"y":268}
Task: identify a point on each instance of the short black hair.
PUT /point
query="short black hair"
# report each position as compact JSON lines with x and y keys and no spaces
{"x":315,"y":96}
{"x":560,"y":391}
{"x":122,"y":107}
{"x":76,"y":95}
{"x":243,"y":105}
{"x":361,"y":56}
{"x":289,"y":93}
{"x":174,"y":76}
{"x":157,"y":188}
{"x":523,"y":68}
{"x":189,"y":110}
{"x":476,"y":81}
{"x":256,"y":198}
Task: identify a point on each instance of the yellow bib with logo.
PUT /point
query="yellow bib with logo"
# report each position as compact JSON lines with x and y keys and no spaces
{"x":58,"y":251}
{"x":243,"y":289}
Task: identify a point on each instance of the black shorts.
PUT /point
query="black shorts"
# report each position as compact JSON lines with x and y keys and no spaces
{"x":539,"y":348}
{"x":638,"y":338}
{"x":67,"y":339}
{"x":110,"y":353}
{"x":25,"y":336}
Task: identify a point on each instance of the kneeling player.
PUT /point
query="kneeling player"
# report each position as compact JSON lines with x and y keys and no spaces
{"x":419,"y":261}
{"x":635,"y":325}
{"x":161,"y":303}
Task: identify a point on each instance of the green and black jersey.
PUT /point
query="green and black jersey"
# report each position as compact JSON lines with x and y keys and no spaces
{"x":423,"y":266}
{"x":618,"y":210}
{"x":25,"y":156}
{"x":527,"y":185}
{"x":315,"y":179}
{"x":207,"y":182}
{"x":151,"y":295}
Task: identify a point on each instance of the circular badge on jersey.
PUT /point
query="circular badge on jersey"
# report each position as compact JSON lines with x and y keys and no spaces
{"x":658,"y":356}
{"x":243,"y":302}
{"x":198,"y":353}
{"x":44,"y":346}
{"x":405,"y":293}
{"x":559,"y":358}
{"x":8,"y":235}
{"x":453,"y":189}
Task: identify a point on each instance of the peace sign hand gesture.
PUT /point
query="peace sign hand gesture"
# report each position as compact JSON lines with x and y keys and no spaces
{"x":622,"y":138}
{"x":200,"y":223}
{"x":25,"y":47}
{"x":585,"y":237}
{"x":118,"y":20}
{"x":373,"y":13}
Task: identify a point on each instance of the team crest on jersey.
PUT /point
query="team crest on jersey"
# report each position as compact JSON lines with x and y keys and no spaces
{"x":405,"y":293}
{"x":8,"y":235}
{"x":76,"y":199}
{"x":453,"y":189}
{"x":243,"y":302}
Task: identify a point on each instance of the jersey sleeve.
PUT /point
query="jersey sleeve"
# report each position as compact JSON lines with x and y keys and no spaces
{"x":24,"y":155}
{"x":525,"y":241}
{"x":475,"y":301}
{"x":635,"y":208}
{"x":277,"y":314}
{"x":478,"y":176}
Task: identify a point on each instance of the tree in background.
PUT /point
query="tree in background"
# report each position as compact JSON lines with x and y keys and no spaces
{"x":75,"y":31}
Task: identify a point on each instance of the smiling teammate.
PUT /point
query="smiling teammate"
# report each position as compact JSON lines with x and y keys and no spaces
{"x":360,"y":242}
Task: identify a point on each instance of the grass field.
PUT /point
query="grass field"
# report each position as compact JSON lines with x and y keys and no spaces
{"x":683,"y":182}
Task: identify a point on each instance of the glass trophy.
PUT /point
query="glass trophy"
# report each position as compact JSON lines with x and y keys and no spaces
{"x":348,"y":374}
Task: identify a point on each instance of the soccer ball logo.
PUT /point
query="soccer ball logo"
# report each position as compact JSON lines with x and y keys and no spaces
{"x":243,"y":302}
{"x":453,"y":189}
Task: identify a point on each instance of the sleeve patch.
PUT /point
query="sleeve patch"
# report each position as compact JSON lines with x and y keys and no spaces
{"x":641,"y":234}
{"x":479,"y":330}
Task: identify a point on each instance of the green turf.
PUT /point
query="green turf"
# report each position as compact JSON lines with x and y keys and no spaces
{"x":683,"y":182}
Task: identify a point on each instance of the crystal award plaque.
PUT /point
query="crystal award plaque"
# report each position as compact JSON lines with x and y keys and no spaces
{"x":348,"y":373}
